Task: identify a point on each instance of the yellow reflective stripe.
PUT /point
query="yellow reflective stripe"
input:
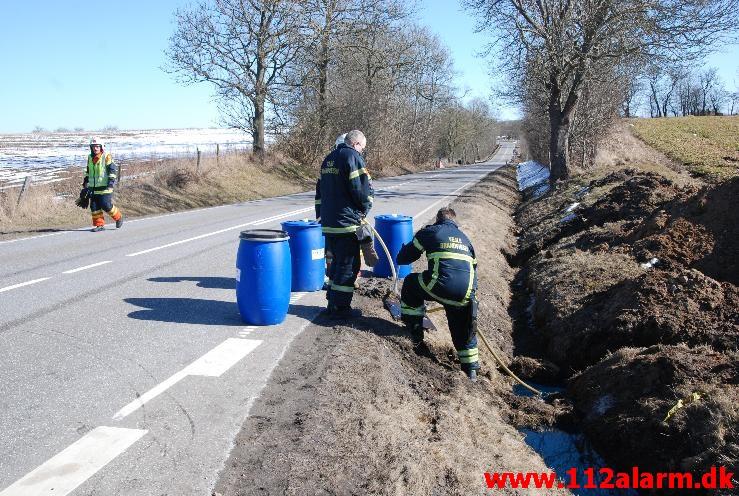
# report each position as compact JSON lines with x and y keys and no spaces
{"x":339,"y":230}
{"x":435,"y":274}
{"x":343,"y":289}
{"x":357,"y":173}
{"x":318,"y":202}
{"x":470,"y":284}
{"x":451,"y":256}
{"x":371,"y":199}
{"x":462,"y":303}
{"x":418,"y":244}
{"x":468,"y":356}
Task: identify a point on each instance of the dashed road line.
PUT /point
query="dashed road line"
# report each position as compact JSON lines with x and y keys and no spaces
{"x":477,"y":179}
{"x":78,"y":269}
{"x":63,"y":473}
{"x":212,"y":364}
{"x":20,"y":285}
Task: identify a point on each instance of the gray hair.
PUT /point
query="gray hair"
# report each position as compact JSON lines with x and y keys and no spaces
{"x":354,"y":136}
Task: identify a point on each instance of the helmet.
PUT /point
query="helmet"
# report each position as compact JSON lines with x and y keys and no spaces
{"x":340,"y":140}
{"x":95,"y":141}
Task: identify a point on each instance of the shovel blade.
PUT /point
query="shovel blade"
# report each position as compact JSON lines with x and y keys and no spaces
{"x":392,"y":304}
{"x":427,"y":324}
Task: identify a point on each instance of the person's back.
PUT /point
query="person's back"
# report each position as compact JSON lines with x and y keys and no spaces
{"x":450,"y":276}
{"x":345,"y":193}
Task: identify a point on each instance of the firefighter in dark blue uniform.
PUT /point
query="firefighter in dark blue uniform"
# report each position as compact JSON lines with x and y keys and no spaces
{"x":343,"y":199}
{"x":450,"y":279}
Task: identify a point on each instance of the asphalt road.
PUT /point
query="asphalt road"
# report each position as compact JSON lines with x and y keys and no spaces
{"x":125,"y":366}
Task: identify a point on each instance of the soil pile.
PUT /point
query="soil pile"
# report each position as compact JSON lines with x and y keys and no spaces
{"x":355,"y":409}
{"x":635,"y":297}
{"x":626,"y":398}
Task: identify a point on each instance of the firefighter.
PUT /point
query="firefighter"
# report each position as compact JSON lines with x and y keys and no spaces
{"x":343,"y":199}
{"x":451,"y":279}
{"x":100,"y":179}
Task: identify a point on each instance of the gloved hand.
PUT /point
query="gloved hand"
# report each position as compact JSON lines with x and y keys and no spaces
{"x":84,"y":199}
{"x":364,"y":232}
{"x":368,"y":252}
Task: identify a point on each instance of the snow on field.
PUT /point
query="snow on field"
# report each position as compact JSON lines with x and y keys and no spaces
{"x":45,"y":155}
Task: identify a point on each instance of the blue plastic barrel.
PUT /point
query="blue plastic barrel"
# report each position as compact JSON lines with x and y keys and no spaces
{"x":263,"y":276}
{"x":307,"y":254}
{"x":395,"y":230}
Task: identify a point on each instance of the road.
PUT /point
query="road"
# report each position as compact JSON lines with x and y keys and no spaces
{"x":126,"y":368}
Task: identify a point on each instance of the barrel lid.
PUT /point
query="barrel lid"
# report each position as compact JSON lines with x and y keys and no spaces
{"x":304,"y":223}
{"x":264,"y":235}
{"x":394,"y":218}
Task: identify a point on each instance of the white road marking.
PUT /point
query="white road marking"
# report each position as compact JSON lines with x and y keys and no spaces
{"x":78,"y":269}
{"x":419,"y":214}
{"x":71,"y":467}
{"x":252,"y":223}
{"x":212,"y":364}
{"x":27,"y":283}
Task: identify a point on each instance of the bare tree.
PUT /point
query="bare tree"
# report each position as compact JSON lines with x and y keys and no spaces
{"x":243,"y":48}
{"x":572,"y":40}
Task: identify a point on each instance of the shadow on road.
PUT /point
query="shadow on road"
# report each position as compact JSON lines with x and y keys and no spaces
{"x":186,"y":311}
{"x":202,"y":282}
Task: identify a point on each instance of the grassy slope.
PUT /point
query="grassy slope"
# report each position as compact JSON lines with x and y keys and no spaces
{"x":708,"y":146}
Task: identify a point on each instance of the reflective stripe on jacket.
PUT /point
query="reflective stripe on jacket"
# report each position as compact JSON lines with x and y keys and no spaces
{"x":451,"y":275}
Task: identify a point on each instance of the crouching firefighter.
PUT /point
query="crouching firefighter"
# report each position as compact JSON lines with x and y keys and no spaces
{"x":97,"y":187}
{"x":450,"y":279}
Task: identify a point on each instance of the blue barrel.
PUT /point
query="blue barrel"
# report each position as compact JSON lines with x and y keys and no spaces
{"x":263,"y":275}
{"x":395,"y":230}
{"x":307,"y":254}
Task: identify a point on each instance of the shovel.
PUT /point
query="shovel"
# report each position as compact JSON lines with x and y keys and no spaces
{"x":391,"y":301}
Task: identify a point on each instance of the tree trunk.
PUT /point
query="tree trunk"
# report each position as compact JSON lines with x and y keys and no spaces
{"x":258,"y":125}
{"x":559,"y":137}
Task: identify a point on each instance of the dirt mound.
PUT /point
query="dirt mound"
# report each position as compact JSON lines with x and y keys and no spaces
{"x":634,"y":280}
{"x":638,"y":291}
{"x":702,"y":232}
{"x":683,"y":306}
{"x":626,"y":397}
{"x":603,"y":210}
{"x":636,"y":196}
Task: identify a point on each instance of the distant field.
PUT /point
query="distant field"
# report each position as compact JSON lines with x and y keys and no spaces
{"x":708,"y":146}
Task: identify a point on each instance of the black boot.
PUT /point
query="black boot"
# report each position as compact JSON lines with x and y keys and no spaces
{"x":416,"y":332}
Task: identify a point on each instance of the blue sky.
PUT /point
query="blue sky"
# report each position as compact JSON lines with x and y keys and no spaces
{"x":92,"y":64}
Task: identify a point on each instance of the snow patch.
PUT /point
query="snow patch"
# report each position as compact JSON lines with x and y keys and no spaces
{"x":651,"y":263}
{"x":534,"y":177}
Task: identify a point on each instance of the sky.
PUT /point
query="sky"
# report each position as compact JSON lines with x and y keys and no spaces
{"x":90,"y":64}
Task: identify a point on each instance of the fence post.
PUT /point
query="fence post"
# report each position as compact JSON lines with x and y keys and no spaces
{"x":218,"y":153}
{"x":26,"y":185}
{"x":197,"y":167}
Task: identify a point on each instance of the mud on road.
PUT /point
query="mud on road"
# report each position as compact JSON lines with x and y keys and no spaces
{"x":354,"y":409}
